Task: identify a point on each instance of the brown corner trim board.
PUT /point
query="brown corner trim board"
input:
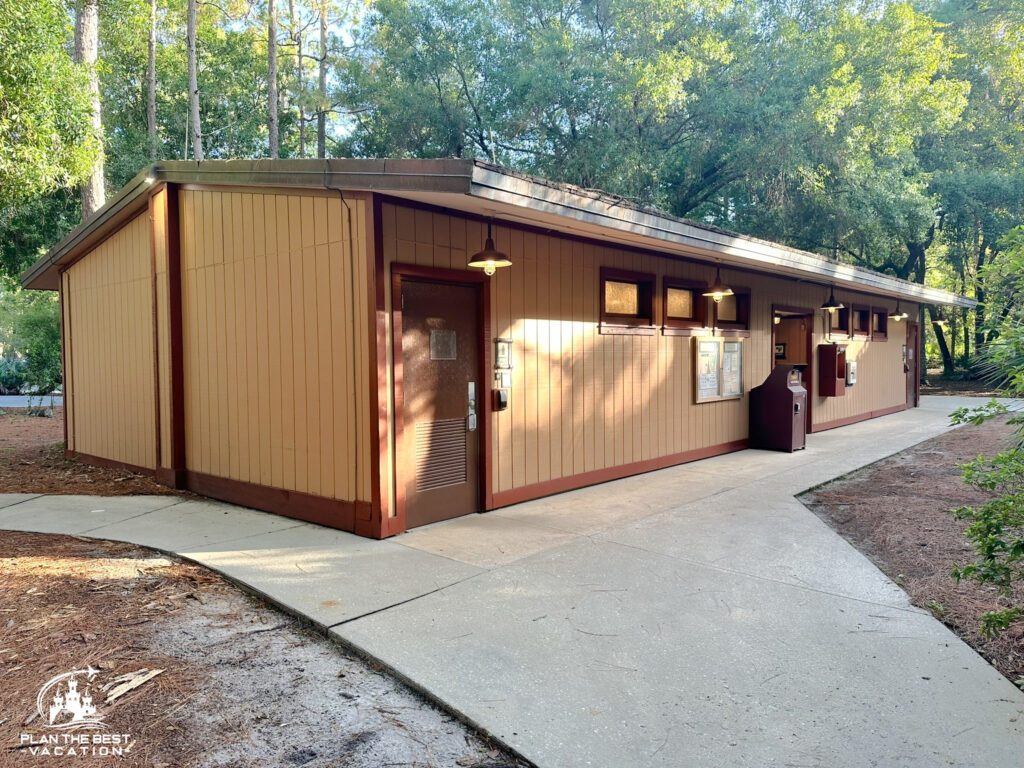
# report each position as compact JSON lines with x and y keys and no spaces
{"x":572,"y":482}
{"x":860,"y":417}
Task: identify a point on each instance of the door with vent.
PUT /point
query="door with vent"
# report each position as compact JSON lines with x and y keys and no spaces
{"x":439,"y":459}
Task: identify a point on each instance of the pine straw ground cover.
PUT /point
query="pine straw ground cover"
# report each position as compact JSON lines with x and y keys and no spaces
{"x":242,"y":684}
{"x":897,"y":512}
{"x":32,"y":461}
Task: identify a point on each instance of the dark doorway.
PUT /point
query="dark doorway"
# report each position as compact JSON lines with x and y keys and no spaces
{"x":791,"y":343}
{"x":912,"y":364}
{"x":439,"y":466}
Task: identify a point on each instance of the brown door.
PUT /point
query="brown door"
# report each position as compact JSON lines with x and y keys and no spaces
{"x":912,"y":364}
{"x":440,"y":457}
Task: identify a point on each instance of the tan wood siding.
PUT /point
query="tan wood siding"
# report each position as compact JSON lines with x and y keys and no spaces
{"x":582,"y":401}
{"x":275,"y":340}
{"x":110,"y":357}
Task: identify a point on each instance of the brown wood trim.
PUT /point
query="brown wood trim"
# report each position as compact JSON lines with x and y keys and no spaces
{"x":175,"y":336}
{"x":333,"y":513}
{"x":562,"y":484}
{"x":61,"y":302}
{"x":99,"y":461}
{"x":399,"y":271}
{"x":855,"y":332}
{"x":611,"y":329}
{"x":700,"y":305}
{"x":742,"y":322}
{"x":153,"y":213}
{"x":701,"y":331}
{"x":377,"y":522}
{"x":846,"y":421}
{"x":643,"y":322}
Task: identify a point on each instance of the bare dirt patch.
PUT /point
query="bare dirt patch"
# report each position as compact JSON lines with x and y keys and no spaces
{"x":936,"y":384}
{"x":242,"y":684}
{"x":897,"y":512}
{"x":32,"y":461}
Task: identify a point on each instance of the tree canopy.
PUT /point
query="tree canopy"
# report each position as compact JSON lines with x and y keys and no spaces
{"x":887,"y":134}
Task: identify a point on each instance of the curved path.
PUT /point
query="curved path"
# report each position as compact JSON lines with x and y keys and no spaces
{"x":694,"y":616}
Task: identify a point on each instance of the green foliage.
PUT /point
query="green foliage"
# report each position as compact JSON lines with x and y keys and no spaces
{"x":45,"y":140}
{"x":996,"y":528}
{"x":30,"y":329}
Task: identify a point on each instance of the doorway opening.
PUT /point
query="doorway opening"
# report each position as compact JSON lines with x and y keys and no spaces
{"x":792,"y":329}
{"x":441,"y":407}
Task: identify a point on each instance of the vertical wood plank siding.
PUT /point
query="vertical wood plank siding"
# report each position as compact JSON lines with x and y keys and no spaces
{"x":163,"y":323}
{"x":275,"y":337}
{"x":583,"y":402}
{"x":110,"y":356}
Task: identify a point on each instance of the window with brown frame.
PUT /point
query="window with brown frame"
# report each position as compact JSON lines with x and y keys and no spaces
{"x":860,"y":320}
{"x":839,"y":323}
{"x":732,"y":313}
{"x":627,"y":301}
{"x":683,"y":306}
{"x":879,"y":324}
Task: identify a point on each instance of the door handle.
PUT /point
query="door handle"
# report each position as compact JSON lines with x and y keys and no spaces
{"x":471,"y":408}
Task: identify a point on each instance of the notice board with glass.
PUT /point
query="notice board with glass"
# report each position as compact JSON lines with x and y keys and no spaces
{"x":718,"y":369}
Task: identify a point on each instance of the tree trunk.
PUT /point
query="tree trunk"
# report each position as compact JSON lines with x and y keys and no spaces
{"x":321,"y":109}
{"x":940,"y":336}
{"x":193,"y":82}
{"x":296,"y":35}
{"x":87,"y":30}
{"x":151,"y":83}
{"x":273,"y":127}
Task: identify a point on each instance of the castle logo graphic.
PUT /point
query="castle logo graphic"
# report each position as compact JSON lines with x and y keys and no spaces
{"x":63,"y":705}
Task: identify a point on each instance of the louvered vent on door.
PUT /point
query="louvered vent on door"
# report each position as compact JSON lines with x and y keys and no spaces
{"x":440,"y":454}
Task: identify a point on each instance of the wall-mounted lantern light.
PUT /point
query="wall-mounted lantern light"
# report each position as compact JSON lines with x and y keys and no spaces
{"x":832,"y":305}
{"x":489,"y":259}
{"x":718,"y":290}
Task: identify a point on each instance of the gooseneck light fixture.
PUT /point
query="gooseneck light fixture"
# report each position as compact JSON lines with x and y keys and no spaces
{"x":896,"y":314}
{"x":940,"y":320}
{"x":832,"y":305}
{"x":489,"y":259}
{"x":718,"y":290}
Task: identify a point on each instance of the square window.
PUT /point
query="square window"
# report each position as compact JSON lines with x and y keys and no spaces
{"x":733,"y":312}
{"x":627,"y":302}
{"x":839,"y":322}
{"x":683,"y":306}
{"x":680,"y":303}
{"x":861,"y":321}
{"x":621,"y":298}
{"x":879,"y":324}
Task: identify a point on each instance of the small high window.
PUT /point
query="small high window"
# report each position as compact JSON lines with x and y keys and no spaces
{"x":879,"y":324}
{"x":627,"y":301}
{"x":684,"y":308}
{"x":732,"y":313}
{"x":839,"y":324}
{"x":861,"y":321}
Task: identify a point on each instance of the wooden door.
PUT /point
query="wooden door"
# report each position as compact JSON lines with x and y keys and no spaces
{"x":439,"y":464}
{"x":912,"y":364}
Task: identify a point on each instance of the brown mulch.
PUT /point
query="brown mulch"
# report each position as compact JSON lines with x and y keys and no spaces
{"x":242,"y":686}
{"x":32,"y":461}
{"x":67,"y":603}
{"x":898,"y":513}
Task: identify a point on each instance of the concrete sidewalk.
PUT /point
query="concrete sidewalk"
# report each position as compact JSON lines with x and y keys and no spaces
{"x":695,"y":616}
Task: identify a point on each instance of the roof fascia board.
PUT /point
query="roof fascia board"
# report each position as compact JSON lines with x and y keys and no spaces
{"x":493,"y":185}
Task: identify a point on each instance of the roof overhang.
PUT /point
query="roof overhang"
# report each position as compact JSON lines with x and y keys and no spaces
{"x":484,"y":189}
